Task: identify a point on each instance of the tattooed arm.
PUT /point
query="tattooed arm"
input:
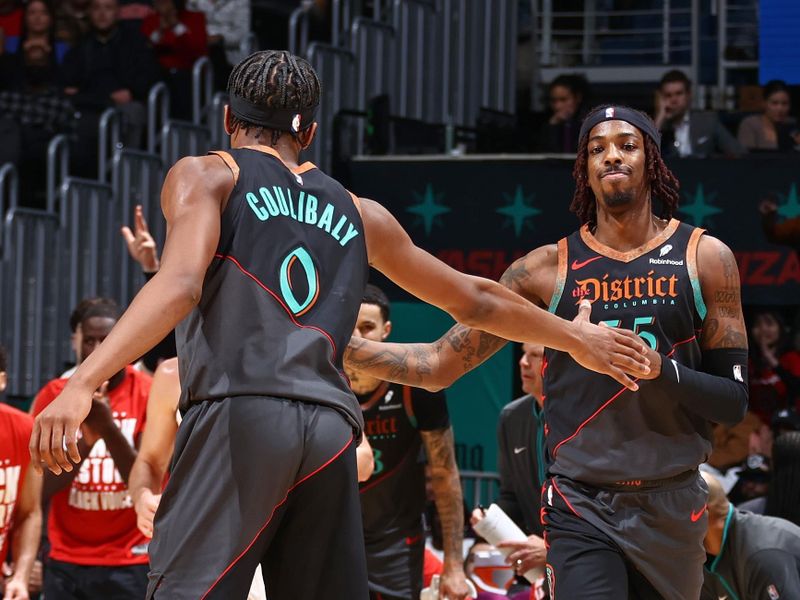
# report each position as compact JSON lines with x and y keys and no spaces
{"x":718,"y":391}
{"x":437,"y":365}
{"x":485,"y":305}
{"x":440,"y":448}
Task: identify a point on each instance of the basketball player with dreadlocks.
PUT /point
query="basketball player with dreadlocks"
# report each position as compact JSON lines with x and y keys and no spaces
{"x":264,"y":267}
{"x":624,"y":505}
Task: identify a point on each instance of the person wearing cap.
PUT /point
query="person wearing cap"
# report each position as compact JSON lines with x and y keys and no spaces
{"x":750,"y":556}
{"x":623,"y":505}
{"x":264,"y":267}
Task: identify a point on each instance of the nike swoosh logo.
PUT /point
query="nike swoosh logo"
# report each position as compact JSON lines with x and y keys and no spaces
{"x":518,"y":450}
{"x":579,"y":265}
{"x":695,"y":516}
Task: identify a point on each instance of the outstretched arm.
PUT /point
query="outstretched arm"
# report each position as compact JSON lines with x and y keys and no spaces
{"x":489,"y":313}
{"x":718,"y":392}
{"x":194,"y":194}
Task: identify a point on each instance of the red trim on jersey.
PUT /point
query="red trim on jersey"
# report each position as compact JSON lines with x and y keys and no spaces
{"x":610,"y":400}
{"x":564,"y":498}
{"x":274,"y":295}
{"x":272,"y":514}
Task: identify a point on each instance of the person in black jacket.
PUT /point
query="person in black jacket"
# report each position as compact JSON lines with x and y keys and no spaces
{"x":523,"y":464}
{"x":111,"y":66}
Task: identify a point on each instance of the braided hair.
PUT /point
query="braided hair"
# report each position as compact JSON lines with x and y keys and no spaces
{"x":277,"y":79}
{"x":663,"y":184}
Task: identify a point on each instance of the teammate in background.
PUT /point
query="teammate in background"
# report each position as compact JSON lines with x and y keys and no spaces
{"x":624,"y":504}
{"x":399,"y":421}
{"x":76,"y":338}
{"x":96,"y":551}
{"x":20,"y":496}
{"x":522,"y":463}
{"x":750,"y":557}
{"x":264,"y":268}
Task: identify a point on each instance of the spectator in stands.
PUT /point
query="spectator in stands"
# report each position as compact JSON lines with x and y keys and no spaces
{"x":133,"y":10}
{"x":72,"y":20}
{"x":76,"y":338}
{"x":31,"y":97}
{"x":774,"y":369}
{"x":751,"y":557}
{"x":785,"y":233}
{"x":773,"y":129}
{"x":178,"y":37}
{"x":227,"y":24}
{"x":686,"y":132}
{"x":10,"y":25}
{"x":567,"y":95}
{"x":522,"y":464}
{"x":20,"y":498}
{"x":783,"y":494}
{"x":111,"y":66}
{"x":96,"y":550}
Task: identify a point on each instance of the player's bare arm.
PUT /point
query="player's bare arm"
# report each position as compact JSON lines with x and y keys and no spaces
{"x":440,"y":450}
{"x":193,"y":197}
{"x":155,"y":451}
{"x":532,"y":278}
{"x":719,"y":392}
{"x":26,"y":533}
{"x":365,"y":459}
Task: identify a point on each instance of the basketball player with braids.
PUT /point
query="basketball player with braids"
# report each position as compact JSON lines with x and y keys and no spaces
{"x":263,"y":271}
{"x":624,"y":505}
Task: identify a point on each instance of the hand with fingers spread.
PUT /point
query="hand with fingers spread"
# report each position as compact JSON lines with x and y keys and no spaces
{"x":141,"y":245}
{"x":618,"y":353}
{"x":54,"y":441}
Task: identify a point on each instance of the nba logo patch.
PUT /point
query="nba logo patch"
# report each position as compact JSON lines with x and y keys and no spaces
{"x":296,"y":123}
{"x":737,"y":375}
{"x":773,"y":592}
{"x":610,"y":112}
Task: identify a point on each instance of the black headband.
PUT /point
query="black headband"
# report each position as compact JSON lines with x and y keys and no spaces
{"x":621,"y":113}
{"x":280,"y":119}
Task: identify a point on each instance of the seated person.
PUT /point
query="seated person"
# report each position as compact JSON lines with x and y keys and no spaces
{"x":773,"y":129}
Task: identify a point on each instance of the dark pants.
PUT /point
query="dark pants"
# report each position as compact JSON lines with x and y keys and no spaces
{"x":65,"y":581}
{"x":638,"y":544}
{"x":260,"y":480}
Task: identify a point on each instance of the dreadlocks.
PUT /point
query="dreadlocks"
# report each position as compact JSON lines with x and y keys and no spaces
{"x":784,"y":487}
{"x":663,"y":184}
{"x":276,"y":79}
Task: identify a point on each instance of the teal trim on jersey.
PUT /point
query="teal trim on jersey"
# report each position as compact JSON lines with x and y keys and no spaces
{"x":699,"y":303}
{"x":310,"y":270}
{"x":556,"y":296}
{"x":541,"y":472}
{"x":713,"y":568}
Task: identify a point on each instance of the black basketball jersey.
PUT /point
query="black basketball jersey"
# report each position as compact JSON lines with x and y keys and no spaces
{"x":393,"y":498}
{"x":282,"y":294}
{"x":599,"y":431}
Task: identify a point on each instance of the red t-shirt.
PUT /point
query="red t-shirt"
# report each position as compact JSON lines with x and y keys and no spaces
{"x":15,"y":432}
{"x":181,"y":46}
{"x":768,"y":392}
{"x":11,"y":23}
{"x":92,"y":522}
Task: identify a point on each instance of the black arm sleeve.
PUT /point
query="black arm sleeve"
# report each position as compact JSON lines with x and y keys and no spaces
{"x":430,"y":409}
{"x":718,"y":392}
{"x":773,"y":574}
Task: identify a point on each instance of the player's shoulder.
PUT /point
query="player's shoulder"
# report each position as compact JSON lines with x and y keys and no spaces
{"x":208,"y":170}
{"x":714,"y":257}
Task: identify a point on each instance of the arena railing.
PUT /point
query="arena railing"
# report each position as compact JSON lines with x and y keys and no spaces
{"x":32,"y":327}
{"x":136,"y":178}
{"x":108,"y":140}
{"x":219,"y":137}
{"x":157,"y":114}
{"x":180,"y":138}
{"x":90,"y":236}
{"x":57,"y":168}
{"x":737,"y":34}
{"x":202,"y":90}
{"x":9,"y":189}
{"x":479,"y":487}
{"x":298,"y":28}
{"x":336,"y":70}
